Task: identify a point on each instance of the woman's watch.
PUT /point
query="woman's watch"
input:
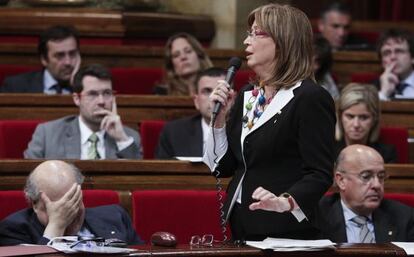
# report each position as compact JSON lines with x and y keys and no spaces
{"x":290,"y":201}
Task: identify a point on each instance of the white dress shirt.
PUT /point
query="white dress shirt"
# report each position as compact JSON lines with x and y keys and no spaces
{"x":49,"y":82}
{"x":86,"y":132}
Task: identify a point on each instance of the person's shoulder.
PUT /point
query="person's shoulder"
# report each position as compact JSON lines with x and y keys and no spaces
{"x":329,"y":199}
{"x":24,"y":76}
{"x":18,"y":216}
{"x":310,"y":89}
{"x":130,"y":130}
{"x":59,"y":122}
{"x":390,"y":205}
{"x":387,"y":151}
{"x":104,"y":209}
{"x":182,"y":121}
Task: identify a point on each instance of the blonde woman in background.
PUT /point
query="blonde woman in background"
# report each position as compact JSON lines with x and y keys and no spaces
{"x":359,"y":120}
{"x":184,"y":58}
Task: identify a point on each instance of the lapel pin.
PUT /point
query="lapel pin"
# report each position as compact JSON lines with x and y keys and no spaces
{"x":112,"y":232}
{"x":278,"y":113}
{"x":390,"y":233}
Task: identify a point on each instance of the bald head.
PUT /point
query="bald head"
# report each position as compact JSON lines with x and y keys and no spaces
{"x":54,"y":178}
{"x":357,"y":156}
{"x":360,"y":178}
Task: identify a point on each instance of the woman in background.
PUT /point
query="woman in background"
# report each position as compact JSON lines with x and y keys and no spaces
{"x":359,"y":120}
{"x":184,"y":58}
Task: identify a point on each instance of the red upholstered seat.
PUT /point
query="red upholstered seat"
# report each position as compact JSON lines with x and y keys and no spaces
{"x":14,"y":200}
{"x":11,"y":201}
{"x":15,"y":136}
{"x":182,"y":212}
{"x":405,"y":198}
{"x":397,"y":137}
{"x":150,"y":131}
{"x":242,"y":78}
{"x":136,"y":80}
{"x":9,"y":70}
{"x":364,"y":77}
{"x":98,"y":197}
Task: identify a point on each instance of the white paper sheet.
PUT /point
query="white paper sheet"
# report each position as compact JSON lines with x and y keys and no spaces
{"x":284,"y":244}
{"x":408,"y":247}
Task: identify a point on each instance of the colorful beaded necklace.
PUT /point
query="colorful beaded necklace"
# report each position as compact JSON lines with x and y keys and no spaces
{"x":259,"y":108}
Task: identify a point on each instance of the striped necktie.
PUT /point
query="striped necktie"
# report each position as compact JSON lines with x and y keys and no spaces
{"x":93,"y":148}
{"x":365,"y":236}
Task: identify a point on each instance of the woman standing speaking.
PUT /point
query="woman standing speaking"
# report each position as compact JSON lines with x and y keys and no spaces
{"x":276,"y":137}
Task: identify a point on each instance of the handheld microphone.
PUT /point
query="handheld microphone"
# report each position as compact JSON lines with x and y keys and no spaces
{"x":234,"y":65}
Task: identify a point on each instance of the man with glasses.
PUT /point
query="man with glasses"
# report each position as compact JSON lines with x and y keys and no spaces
{"x":96,"y":133}
{"x":186,"y":136}
{"x":359,"y":214}
{"x":53,"y":190}
{"x":58,"y":49}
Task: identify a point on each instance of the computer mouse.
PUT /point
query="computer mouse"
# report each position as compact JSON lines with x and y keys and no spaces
{"x":163,"y":239}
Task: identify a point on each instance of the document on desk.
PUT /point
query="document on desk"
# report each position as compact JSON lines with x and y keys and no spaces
{"x":88,"y":249}
{"x":290,"y":245}
{"x":408,"y":247}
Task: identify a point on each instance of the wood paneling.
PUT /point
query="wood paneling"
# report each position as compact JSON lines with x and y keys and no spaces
{"x":105,"y":23}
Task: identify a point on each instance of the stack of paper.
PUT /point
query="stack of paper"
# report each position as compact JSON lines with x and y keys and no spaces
{"x":408,"y":247}
{"x":290,"y":245}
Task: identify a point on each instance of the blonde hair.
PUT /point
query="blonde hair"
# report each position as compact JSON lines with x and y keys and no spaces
{"x":356,"y":93}
{"x":174,"y":84}
{"x":291,"y":31}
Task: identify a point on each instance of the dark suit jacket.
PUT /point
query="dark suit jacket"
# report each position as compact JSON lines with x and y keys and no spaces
{"x":60,"y":139}
{"x":291,"y":150}
{"x":182,"y":137}
{"x":393,"y":221}
{"x":388,"y":152}
{"x":30,"y":82}
{"x":110,"y":221}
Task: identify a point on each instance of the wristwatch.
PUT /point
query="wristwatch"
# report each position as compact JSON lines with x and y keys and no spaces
{"x":290,"y":200}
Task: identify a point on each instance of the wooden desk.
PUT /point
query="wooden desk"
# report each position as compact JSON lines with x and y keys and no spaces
{"x":125,"y":176}
{"x":345,"y":62}
{"x":360,"y":250}
{"x":103,"y":23}
{"x":132,"y":108}
{"x":109,"y":55}
{"x":128,"y":175}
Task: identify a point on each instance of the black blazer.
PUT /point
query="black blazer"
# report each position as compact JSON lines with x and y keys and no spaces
{"x":110,"y":221}
{"x":30,"y":82}
{"x":182,"y":137}
{"x":393,"y":221}
{"x":291,"y":150}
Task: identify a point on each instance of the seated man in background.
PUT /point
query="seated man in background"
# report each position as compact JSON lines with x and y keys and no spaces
{"x":58,"y":49}
{"x":53,"y":189}
{"x":334,"y":24}
{"x":396,"y":52}
{"x":359,"y":214}
{"x":322,"y":66}
{"x":96,"y":133}
{"x":186,"y":136}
